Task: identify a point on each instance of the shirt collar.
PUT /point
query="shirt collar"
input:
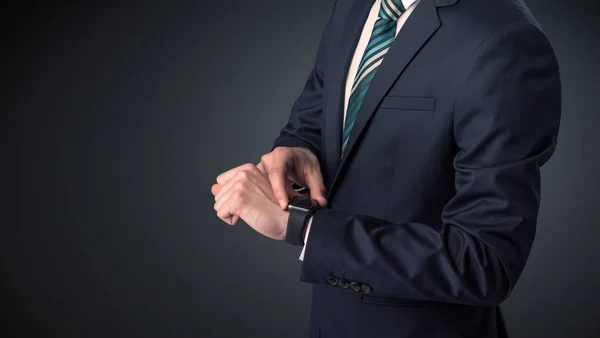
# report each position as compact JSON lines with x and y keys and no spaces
{"x":407,"y":3}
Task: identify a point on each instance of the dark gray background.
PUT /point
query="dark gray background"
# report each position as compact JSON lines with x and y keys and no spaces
{"x":116,"y":119}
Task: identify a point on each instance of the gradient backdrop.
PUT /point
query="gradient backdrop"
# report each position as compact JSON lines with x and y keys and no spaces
{"x":118,"y":116}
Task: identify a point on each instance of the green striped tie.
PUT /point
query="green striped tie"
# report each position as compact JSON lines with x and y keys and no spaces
{"x":384,"y":32}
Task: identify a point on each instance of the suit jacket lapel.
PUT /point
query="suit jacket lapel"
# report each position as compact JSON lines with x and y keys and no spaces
{"x":337,"y":80}
{"x":422,"y":23}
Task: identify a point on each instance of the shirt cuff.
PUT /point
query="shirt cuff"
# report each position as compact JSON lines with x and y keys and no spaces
{"x":306,"y":237}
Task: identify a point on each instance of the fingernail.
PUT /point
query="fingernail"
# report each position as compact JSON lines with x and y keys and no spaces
{"x":282,"y":204}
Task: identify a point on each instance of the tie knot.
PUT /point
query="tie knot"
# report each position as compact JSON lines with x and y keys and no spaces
{"x":391,"y":9}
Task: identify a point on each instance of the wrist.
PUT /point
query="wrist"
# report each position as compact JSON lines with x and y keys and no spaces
{"x":283,"y":220}
{"x":300,"y":210}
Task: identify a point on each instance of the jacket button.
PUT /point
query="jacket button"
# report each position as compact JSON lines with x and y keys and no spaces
{"x":354,"y":286}
{"x":332,"y":280}
{"x":366,"y":288}
{"x":343,"y":283}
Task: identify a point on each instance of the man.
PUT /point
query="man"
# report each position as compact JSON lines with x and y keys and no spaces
{"x":420,"y":134}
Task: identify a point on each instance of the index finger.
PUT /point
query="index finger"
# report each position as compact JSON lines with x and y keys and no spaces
{"x":277,"y":176}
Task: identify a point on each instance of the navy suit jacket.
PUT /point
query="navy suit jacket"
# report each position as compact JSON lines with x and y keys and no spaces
{"x":433,"y":206}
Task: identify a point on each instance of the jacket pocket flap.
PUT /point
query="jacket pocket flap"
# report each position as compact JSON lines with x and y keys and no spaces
{"x":408,"y":103}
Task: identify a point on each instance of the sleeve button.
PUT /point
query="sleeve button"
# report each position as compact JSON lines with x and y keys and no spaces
{"x":354,"y":286}
{"x":343,"y":283}
{"x":366,"y":288}
{"x":332,"y":280}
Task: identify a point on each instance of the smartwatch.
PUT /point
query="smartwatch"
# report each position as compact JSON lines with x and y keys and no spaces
{"x":300,"y":208}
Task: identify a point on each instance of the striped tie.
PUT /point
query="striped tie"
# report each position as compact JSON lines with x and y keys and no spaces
{"x":384,"y":32}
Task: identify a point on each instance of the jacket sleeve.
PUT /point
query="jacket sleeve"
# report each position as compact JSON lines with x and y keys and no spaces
{"x":506,"y":126}
{"x":303,"y":128}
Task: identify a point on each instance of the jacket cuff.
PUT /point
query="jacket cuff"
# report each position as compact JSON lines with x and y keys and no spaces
{"x":294,"y":142}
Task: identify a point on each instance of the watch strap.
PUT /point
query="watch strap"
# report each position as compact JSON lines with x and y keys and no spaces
{"x":296,"y":221}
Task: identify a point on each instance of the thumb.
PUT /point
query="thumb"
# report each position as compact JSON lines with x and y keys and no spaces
{"x":278,"y":178}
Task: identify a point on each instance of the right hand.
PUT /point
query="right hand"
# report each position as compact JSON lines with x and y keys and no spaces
{"x":286,"y":164}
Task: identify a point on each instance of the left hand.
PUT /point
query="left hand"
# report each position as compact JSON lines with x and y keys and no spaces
{"x":248,"y":195}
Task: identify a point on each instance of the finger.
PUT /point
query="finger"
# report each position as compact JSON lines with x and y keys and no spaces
{"x":215,"y":189}
{"x":278,"y":178}
{"x":223,"y":178}
{"x":277,"y":163}
{"x":225,"y":216}
{"x":314,"y":181}
{"x":240,"y":178}
{"x":226,"y":192}
{"x":261,"y":166}
{"x":227,"y":209}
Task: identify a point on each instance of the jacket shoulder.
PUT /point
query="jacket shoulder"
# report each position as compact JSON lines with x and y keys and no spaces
{"x":470,"y":22}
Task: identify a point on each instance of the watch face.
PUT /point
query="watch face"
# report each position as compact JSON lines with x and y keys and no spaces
{"x":305,"y":203}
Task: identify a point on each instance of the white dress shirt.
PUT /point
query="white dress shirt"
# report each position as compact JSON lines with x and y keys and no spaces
{"x":358,"y":53}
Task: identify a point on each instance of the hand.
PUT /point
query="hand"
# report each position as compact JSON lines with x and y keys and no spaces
{"x":247,"y":194}
{"x":297,"y":164}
